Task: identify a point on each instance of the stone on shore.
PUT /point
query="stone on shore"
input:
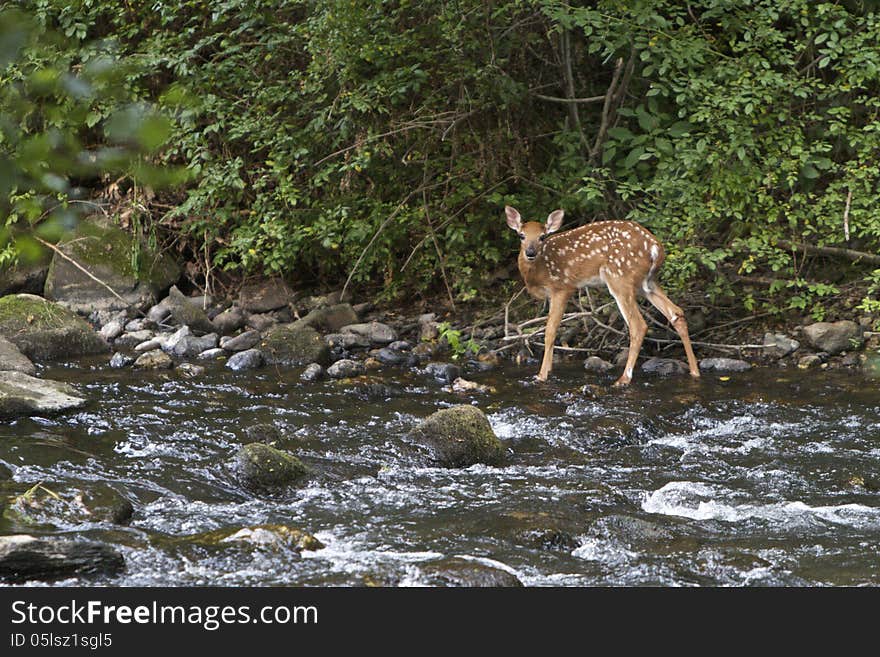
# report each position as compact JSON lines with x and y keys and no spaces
{"x":21,"y":394}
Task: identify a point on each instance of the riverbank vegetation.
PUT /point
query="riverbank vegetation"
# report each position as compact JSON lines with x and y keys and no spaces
{"x":374,"y":144}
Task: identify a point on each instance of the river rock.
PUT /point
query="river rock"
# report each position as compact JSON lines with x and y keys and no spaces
{"x":458,"y":437}
{"x":293,"y":346}
{"x":458,"y":572}
{"x":443,"y":372}
{"x":377,"y":332}
{"x":388,"y":356}
{"x":120,"y":360}
{"x":154,"y":360}
{"x":133,"y":339}
{"x":112,"y":329}
{"x":21,"y":394}
{"x":313,"y":372}
{"x":809,"y":361}
{"x":331,"y":318}
{"x":428,"y":331}
{"x":265,"y":295}
{"x":98,"y":502}
{"x":11,"y":358}
{"x":188,"y":313}
{"x":275,"y":536}
{"x":43,"y":330}
{"x":424,"y":351}
{"x":261,"y":321}
{"x":105,"y":251}
{"x":229,"y":321}
{"x":24,"y":558}
{"x":246,"y":340}
{"x":260,"y":466}
{"x":191,"y":345}
{"x":346,"y":368}
{"x":160,"y":312}
{"x":212,"y":354}
{"x":346,"y":341}
{"x":245,"y":360}
{"x":777,"y":345}
{"x":724,"y":365}
{"x":664,"y":367}
{"x":190,"y":370}
{"x":598,"y":365}
{"x":834,"y":337}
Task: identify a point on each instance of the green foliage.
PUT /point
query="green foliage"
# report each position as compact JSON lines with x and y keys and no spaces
{"x":66,"y":118}
{"x":454,"y":340}
{"x":390,"y":134}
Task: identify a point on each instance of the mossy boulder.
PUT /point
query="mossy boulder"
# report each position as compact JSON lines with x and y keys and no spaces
{"x":21,"y":394}
{"x":259,"y":466}
{"x":458,"y":572}
{"x":43,"y":330}
{"x":458,"y":437}
{"x":105,"y":250}
{"x":294,"y":345}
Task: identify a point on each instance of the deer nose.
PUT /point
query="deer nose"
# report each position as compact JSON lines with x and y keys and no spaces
{"x":531,"y":252}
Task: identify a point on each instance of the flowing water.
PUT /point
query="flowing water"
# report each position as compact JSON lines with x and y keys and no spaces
{"x":769,"y":478}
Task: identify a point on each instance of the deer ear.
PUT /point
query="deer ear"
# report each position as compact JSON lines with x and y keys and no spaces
{"x":513,"y":218}
{"x":554,"y":221}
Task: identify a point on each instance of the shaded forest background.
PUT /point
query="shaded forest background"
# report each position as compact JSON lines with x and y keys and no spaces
{"x":376,"y":143}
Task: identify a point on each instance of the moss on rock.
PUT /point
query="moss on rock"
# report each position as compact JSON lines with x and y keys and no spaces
{"x":44,"y":330}
{"x":106,"y":251}
{"x":458,"y":437}
{"x":260,"y":466}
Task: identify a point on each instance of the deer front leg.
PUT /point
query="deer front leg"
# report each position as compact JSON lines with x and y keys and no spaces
{"x":558,"y":300}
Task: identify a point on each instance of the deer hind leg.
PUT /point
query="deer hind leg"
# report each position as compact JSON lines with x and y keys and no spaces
{"x":675,"y":315}
{"x":625,"y":296}
{"x":557,"y":308}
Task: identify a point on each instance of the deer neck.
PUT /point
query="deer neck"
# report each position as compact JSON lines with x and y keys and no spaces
{"x":534,"y":275}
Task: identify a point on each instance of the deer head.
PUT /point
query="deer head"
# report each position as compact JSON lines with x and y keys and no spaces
{"x":532,"y":234}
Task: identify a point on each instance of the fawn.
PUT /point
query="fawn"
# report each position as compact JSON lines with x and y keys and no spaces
{"x":621,"y":255}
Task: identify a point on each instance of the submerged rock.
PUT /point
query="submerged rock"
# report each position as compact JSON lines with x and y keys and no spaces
{"x":190,"y":370}
{"x":21,"y":394}
{"x":292,"y":346}
{"x":259,"y":466}
{"x":458,"y":437}
{"x":443,"y":372}
{"x":664,"y":367}
{"x":275,"y":536}
{"x":834,"y":337}
{"x":43,"y":330}
{"x":456,"y":571}
{"x":809,"y":361}
{"x":313,"y":372}
{"x":245,"y":360}
{"x":345,"y":368}
{"x":120,"y":360}
{"x":154,"y":360}
{"x":24,"y":558}
{"x":11,"y":358}
{"x":596,"y":364}
{"x":724,"y":365}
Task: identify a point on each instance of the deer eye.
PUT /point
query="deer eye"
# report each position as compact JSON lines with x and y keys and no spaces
{"x":522,"y":236}
{"x":542,"y":238}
